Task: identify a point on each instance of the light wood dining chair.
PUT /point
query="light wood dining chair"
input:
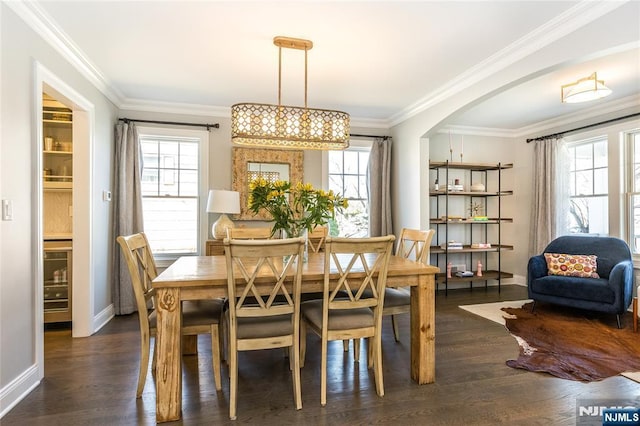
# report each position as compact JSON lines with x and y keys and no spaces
{"x":358,"y":264}
{"x":414,"y":244}
{"x":198,"y":317}
{"x":249,"y":233}
{"x":316,"y":238}
{"x":264,"y":303}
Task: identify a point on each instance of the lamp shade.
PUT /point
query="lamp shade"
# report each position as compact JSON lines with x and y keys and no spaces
{"x":221,"y":201}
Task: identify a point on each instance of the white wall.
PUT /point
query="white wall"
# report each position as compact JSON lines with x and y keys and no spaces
{"x":20,"y":48}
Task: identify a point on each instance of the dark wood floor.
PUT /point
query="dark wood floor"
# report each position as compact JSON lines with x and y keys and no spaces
{"x":92,"y":381}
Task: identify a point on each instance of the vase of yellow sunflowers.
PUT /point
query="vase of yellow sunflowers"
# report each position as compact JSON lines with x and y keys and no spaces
{"x":295,"y":208}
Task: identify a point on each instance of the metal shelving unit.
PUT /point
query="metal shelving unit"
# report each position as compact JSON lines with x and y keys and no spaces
{"x":479,"y":226}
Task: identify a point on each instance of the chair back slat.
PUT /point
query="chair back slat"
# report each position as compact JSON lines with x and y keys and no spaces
{"x":249,"y":233}
{"x":142,"y":268}
{"x":415,"y":244}
{"x":316,"y":238}
{"x":361,"y":264}
{"x":263,"y":276}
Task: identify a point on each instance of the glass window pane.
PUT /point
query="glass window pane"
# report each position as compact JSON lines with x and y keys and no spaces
{"x":600,"y":156}
{"x":188,"y":183}
{"x":354,"y":221}
{"x":601,"y":181}
{"x":572,"y":159}
{"x":335,"y":162}
{"x":149,"y":153}
{"x":189,"y":156}
{"x":364,"y":161}
{"x":635,"y":233}
{"x":636,"y":178}
{"x":584,"y":183}
{"x":351,"y":187}
{"x":363,"y":187}
{"x":584,"y":157}
{"x":598,"y":215}
{"x":350,"y":162}
{"x":171,"y":224}
{"x":149,"y":181}
{"x":168,"y":182}
{"x":336,"y":184}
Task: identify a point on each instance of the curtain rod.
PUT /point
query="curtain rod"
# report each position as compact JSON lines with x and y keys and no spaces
{"x":207,"y":125}
{"x":582,"y":128}
{"x":356,"y":135}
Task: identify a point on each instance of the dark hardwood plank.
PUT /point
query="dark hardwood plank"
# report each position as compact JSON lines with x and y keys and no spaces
{"x":93,"y":380}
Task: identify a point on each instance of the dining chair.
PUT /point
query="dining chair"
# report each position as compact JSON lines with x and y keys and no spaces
{"x":264,"y":279}
{"x":413,"y":244}
{"x":198,"y":317}
{"x":249,"y":233}
{"x":358,"y":264}
{"x":316,"y":238}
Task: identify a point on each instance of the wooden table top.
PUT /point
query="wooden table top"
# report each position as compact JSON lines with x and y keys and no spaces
{"x":197,"y":271}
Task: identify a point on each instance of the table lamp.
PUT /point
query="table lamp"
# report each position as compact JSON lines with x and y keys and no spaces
{"x":221,"y":201}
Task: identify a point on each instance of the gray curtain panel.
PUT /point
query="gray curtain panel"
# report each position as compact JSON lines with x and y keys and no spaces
{"x":550,"y":193}
{"x":127,"y":211}
{"x":379,"y":187}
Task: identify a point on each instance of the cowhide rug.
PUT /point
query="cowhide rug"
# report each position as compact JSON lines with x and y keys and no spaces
{"x":572,"y":344}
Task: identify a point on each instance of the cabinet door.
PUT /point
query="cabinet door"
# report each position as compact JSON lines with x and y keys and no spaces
{"x":57,"y":285}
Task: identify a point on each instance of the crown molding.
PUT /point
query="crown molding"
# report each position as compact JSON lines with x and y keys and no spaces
{"x":370,"y":123}
{"x":579,"y":15}
{"x":146,"y":105}
{"x":566,"y":120}
{"x":569,"y":120}
{"x":495,"y":132}
{"x":40,"y":22}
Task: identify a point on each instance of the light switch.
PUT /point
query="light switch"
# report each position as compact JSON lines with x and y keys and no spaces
{"x":7,"y":210}
{"x":106,"y":195}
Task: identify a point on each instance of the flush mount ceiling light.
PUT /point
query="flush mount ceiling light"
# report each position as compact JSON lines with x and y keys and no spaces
{"x":281,"y":126}
{"x":585,"y":89}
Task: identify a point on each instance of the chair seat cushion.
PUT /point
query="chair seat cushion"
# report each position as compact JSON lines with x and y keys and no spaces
{"x":338,"y":319}
{"x":591,"y":289}
{"x":196,"y":312}
{"x":201,"y":312}
{"x":395,"y":297}
{"x":261,"y":327}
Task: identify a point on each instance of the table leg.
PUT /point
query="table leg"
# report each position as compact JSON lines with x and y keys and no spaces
{"x":423,"y":331}
{"x":168,"y":365}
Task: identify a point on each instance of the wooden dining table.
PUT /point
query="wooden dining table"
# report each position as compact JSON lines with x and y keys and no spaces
{"x":205,"y":277}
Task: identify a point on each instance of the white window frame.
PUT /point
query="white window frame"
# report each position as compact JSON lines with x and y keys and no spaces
{"x":202,"y":136}
{"x":627,"y":138}
{"x":354,"y":145}
{"x":590,"y":141}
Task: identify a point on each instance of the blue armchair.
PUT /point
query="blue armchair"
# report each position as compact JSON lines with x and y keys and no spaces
{"x":611,"y":293}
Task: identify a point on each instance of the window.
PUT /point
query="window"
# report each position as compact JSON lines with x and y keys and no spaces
{"x":588,"y":179}
{"x":173,"y":177}
{"x":347,"y":172}
{"x":633,"y":190}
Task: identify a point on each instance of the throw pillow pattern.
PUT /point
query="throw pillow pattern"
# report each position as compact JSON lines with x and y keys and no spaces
{"x":572,"y":265}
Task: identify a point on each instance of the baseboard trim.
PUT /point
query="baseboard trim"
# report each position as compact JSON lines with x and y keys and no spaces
{"x":103,"y":318}
{"x":18,"y":389}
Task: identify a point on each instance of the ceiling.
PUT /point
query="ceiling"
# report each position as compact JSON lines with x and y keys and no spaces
{"x":380,"y":61}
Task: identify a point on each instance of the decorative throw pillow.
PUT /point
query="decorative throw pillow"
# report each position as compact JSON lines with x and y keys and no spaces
{"x":572,"y":265}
